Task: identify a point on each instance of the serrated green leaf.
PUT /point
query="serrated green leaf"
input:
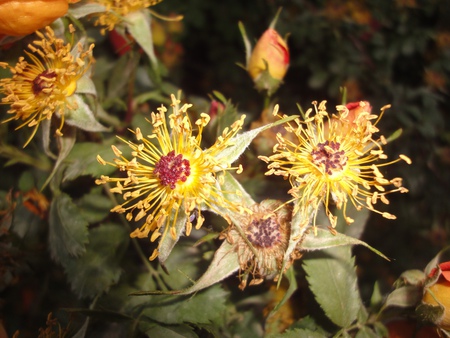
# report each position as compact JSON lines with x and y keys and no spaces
{"x":241,"y":141}
{"x":309,"y":323}
{"x":82,"y":160}
{"x":68,"y":232}
{"x":184,"y":265}
{"x":208,"y":306}
{"x":332,"y":279}
{"x":94,"y":207}
{"x":325,"y":239}
{"x":224,"y":263}
{"x":82,"y":117}
{"x":99,"y":267}
{"x":405,"y":296}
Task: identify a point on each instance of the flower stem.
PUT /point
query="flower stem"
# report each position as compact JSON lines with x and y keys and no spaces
{"x":136,"y":245}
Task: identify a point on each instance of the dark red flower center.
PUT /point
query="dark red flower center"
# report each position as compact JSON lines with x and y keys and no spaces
{"x":172,"y":168}
{"x":264,"y":233}
{"x":328,"y":156}
{"x":43,"y":80}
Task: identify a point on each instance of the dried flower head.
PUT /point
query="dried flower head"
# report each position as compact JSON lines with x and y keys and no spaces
{"x":116,"y":10}
{"x":41,"y":86}
{"x":261,"y":241}
{"x":335,"y":157}
{"x":171,"y":174}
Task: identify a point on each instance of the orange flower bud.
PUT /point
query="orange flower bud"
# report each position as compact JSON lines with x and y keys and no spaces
{"x":439,"y":294}
{"x":271,"y":52}
{"x":22,"y":17}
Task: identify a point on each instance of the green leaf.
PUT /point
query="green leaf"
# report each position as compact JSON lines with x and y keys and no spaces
{"x":184,"y":265}
{"x":325,"y":239}
{"x":208,"y":306}
{"x":167,"y":242}
{"x":66,"y":143}
{"x":68,"y":232}
{"x":241,"y":141}
{"x":332,"y":279}
{"x":99,"y":268}
{"x":292,"y":288}
{"x":224,"y":263}
{"x":82,"y":117}
{"x":94,"y":207}
{"x":82,"y":160}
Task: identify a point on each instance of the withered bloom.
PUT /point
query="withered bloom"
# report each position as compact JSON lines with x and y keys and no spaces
{"x":261,"y":241}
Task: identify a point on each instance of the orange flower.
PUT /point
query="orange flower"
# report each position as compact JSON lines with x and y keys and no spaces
{"x":23,"y":17}
{"x":271,"y":53}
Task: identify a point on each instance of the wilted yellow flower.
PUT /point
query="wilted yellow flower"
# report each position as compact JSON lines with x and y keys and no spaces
{"x":23,"y":17}
{"x":41,"y":86}
{"x":170,"y":173}
{"x":263,"y":241}
{"x":330,"y":160}
{"x":116,"y":10}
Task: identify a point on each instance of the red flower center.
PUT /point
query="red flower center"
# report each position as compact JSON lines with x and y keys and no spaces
{"x":172,"y":168}
{"x":328,"y":155}
{"x":42,"y":81}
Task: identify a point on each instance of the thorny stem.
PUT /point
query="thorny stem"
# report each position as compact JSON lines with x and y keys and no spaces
{"x":135,"y":243}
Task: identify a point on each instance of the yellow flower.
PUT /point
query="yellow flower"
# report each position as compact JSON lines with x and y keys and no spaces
{"x":116,"y":10}
{"x":41,"y":86}
{"x":171,"y":174}
{"x":334,"y":158}
{"x":263,"y":241}
{"x":23,"y":17}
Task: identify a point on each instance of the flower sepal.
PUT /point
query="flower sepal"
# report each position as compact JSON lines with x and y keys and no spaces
{"x":82,"y":9}
{"x":265,"y":81}
{"x":435,"y":306}
{"x":139,"y":26}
